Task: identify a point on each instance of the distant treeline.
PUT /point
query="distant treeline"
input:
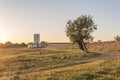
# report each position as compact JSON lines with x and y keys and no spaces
{"x":10,"y":45}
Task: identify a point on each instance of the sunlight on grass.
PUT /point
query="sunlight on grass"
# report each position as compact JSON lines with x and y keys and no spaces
{"x":57,"y":64}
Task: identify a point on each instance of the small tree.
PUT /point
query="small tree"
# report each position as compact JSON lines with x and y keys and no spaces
{"x":44,"y":44}
{"x":79,"y":31}
{"x":23,"y":44}
{"x":117,"y":38}
{"x":8,"y":44}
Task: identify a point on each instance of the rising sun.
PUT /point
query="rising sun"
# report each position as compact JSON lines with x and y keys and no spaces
{"x":2,"y":37}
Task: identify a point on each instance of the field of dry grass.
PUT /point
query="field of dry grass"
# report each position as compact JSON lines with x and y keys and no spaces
{"x":58,"y":62}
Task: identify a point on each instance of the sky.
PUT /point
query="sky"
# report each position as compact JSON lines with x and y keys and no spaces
{"x":20,"y":19}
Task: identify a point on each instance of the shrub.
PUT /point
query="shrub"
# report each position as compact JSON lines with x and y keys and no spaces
{"x":117,"y":38}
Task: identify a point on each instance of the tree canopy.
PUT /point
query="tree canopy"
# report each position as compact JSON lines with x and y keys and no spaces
{"x":80,"y":30}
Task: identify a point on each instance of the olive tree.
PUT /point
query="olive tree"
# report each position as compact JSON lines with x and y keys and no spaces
{"x":79,"y":31}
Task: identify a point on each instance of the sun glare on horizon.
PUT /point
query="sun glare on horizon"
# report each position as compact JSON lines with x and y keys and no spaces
{"x":2,"y":37}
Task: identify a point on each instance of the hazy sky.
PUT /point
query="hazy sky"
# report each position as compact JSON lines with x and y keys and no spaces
{"x":20,"y":19}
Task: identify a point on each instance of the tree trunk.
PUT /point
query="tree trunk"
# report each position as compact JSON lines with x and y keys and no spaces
{"x":83,"y":46}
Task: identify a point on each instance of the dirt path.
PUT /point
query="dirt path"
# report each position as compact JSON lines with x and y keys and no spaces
{"x":110,"y":56}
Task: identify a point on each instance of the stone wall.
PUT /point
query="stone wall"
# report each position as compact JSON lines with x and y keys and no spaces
{"x":109,"y":45}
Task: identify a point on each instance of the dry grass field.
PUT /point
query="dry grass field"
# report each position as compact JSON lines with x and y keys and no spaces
{"x":61,"y":62}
